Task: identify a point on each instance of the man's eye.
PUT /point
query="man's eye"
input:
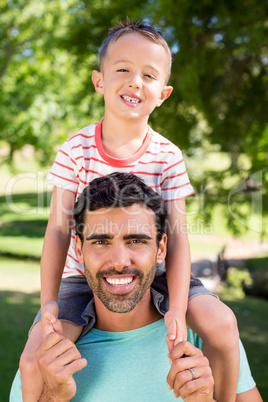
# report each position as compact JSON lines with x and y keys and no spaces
{"x":138,"y":241}
{"x":99,"y":242}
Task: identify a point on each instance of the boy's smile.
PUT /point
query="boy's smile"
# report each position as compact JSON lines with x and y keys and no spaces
{"x":133,"y":77}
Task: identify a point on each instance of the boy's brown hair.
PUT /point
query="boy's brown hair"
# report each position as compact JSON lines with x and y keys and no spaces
{"x":127,"y":27}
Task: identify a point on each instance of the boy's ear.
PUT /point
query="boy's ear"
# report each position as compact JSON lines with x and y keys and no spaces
{"x":166,"y":92}
{"x":78,"y":249}
{"x":162,"y":249}
{"x":97,"y":81}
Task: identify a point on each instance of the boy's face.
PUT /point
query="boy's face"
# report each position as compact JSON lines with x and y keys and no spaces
{"x":133,"y":77}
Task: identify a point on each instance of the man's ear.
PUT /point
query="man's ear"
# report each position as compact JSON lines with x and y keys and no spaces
{"x":166,"y":92}
{"x":162,"y":249}
{"x":78,"y":249}
{"x":97,"y":80}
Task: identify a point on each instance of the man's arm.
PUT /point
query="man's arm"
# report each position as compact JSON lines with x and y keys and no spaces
{"x":58,"y":359}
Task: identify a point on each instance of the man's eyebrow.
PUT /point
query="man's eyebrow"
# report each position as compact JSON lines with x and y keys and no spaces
{"x":103,"y":236}
{"x":137,"y":237}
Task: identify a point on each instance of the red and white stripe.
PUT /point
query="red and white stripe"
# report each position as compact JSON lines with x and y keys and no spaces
{"x":82,"y":158}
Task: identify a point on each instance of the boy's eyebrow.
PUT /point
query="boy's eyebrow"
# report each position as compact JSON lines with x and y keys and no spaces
{"x":128,"y":61}
{"x":103,"y":236}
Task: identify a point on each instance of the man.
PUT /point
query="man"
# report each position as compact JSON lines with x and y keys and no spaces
{"x":120,"y":224}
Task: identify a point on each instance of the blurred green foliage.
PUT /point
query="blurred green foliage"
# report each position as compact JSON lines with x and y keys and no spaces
{"x":258,"y":268}
{"x":220,"y":60}
{"x":236,"y":280}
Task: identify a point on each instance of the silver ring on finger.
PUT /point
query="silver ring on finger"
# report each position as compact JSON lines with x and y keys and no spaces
{"x":193,"y":373}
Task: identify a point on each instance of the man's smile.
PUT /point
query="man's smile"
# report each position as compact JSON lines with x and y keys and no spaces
{"x":119,"y":281}
{"x":120,"y":284}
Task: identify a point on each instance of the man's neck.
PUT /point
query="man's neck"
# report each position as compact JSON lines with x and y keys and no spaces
{"x":144,"y":314}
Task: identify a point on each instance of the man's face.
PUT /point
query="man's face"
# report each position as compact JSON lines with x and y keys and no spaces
{"x":120,"y":254}
{"x":133,"y":77}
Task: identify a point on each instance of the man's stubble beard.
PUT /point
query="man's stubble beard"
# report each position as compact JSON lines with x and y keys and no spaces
{"x":120,"y":303}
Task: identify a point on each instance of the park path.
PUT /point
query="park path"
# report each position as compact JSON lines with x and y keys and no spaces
{"x":236,"y":251}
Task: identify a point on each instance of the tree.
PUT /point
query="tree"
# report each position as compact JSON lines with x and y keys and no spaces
{"x":219,"y":76}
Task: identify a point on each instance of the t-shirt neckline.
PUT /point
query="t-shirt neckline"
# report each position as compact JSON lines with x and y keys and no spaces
{"x":149,"y":327}
{"x":121,"y":162}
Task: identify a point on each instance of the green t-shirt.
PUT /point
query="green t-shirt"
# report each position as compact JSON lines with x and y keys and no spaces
{"x":130,"y":366}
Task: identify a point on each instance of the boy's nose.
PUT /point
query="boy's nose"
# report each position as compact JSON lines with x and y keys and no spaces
{"x":135,"y":82}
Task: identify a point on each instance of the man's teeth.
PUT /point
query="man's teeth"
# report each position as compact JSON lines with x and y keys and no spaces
{"x":129,"y":99}
{"x":121,"y":281}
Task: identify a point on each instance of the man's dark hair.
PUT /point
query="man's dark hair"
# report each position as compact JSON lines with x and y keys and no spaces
{"x":119,"y":190}
{"x":126,"y":27}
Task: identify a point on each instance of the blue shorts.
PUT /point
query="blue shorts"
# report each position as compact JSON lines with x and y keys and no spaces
{"x":75,"y":295}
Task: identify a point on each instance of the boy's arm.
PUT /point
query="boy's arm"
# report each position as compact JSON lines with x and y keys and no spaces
{"x":56,"y":243}
{"x":178,"y":268}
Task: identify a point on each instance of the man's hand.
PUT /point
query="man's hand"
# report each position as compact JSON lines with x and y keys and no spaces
{"x":176,"y":328}
{"x":190,"y":375}
{"x":58,"y":359}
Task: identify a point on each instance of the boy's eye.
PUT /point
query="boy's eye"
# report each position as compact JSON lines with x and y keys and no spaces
{"x":122,"y":70}
{"x":150,"y":76}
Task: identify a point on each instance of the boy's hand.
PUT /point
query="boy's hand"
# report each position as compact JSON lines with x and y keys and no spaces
{"x":49,"y":320}
{"x":176,"y":328}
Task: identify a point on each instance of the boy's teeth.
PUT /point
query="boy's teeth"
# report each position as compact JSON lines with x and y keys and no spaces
{"x":121,"y":281}
{"x":129,"y":99}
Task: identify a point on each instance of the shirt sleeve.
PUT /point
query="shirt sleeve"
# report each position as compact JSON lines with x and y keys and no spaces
{"x":16,"y":392}
{"x":175,"y":183}
{"x":245,"y":381}
{"x":64,"y":172}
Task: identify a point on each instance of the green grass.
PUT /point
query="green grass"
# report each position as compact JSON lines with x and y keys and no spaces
{"x":18,"y":310}
{"x":201,"y":248}
{"x":23,"y":223}
{"x":24,"y":213}
{"x":257,"y":264}
{"x":19,"y":274}
{"x":16,"y":315}
{"x":252,"y":316}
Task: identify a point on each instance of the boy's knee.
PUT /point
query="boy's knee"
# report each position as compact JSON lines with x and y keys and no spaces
{"x":224,"y":332}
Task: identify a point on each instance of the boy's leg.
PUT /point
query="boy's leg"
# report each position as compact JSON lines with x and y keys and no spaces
{"x":216,"y":325}
{"x":31,"y":379}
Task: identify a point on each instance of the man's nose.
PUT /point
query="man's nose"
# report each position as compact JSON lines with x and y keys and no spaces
{"x":120,"y":257}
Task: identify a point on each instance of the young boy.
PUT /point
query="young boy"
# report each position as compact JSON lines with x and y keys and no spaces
{"x":135,"y":64}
